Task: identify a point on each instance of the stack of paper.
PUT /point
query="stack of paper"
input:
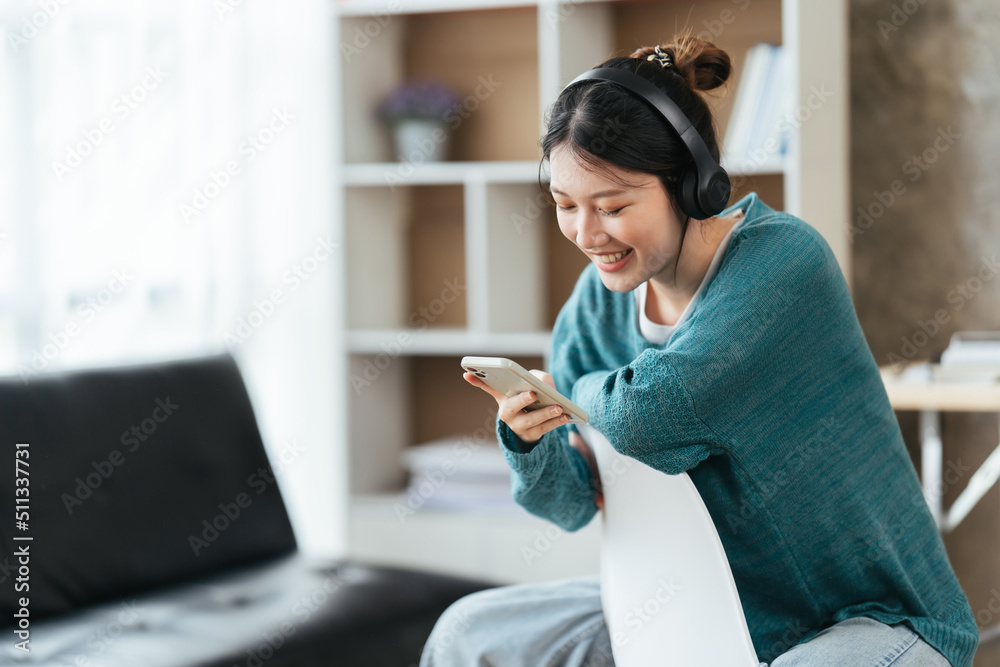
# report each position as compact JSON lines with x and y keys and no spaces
{"x":458,"y":472}
{"x":761,"y":121}
{"x":971,"y":355}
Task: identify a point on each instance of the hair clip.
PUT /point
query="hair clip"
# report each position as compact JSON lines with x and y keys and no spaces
{"x":659,"y":56}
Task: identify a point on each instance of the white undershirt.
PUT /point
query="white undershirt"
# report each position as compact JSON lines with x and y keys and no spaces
{"x":660,"y":333}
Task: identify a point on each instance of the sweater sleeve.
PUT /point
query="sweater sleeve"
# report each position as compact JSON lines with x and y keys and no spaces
{"x":655,"y":407}
{"x":551,"y":478}
{"x":646,"y":413}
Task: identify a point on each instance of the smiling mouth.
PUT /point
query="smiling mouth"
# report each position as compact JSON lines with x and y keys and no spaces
{"x":610,"y":259}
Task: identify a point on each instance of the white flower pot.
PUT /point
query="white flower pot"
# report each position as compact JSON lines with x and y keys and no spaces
{"x":421,"y":140}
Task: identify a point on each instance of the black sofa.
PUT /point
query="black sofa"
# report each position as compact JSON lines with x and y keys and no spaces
{"x":159,"y":536}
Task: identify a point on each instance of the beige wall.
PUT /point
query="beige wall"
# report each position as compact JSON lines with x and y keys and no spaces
{"x":927,"y":84}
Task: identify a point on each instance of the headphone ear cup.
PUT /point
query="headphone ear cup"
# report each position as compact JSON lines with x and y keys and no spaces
{"x":687,"y":193}
{"x":714,"y":197}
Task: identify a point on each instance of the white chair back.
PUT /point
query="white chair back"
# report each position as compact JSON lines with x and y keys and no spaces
{"x":668,"y":594}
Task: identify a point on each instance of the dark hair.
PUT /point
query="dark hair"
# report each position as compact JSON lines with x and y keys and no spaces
{"x":604,"y":124}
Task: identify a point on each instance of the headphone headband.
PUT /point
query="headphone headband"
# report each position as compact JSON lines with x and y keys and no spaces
{"x":702,"y":195}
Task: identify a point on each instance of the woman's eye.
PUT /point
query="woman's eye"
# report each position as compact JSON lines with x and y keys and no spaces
{"x":614,"y":212}
{"x":565,"y":208}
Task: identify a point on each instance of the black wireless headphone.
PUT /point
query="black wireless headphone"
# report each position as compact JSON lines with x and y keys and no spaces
{"x":702,"y":191}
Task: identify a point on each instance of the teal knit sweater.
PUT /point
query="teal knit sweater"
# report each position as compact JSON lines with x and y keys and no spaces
{"x":768,"y":396}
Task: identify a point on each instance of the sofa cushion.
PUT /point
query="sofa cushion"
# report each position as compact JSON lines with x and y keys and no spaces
{"x":292,"y":611}
{"x":140,"y":477}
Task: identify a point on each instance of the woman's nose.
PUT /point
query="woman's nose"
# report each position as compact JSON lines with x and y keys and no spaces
{"x":589,"y":233}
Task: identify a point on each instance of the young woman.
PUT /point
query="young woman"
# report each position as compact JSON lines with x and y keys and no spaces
{"x":729,"y":348}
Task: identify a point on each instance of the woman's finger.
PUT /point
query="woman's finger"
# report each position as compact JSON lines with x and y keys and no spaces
{"x":544,"y":377}
{"x":512,"y":407}
{"x":531,"y":427}
{"x":476,"y":382}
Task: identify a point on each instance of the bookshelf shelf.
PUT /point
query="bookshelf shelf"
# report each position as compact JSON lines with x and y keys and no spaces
{"x":385,"y":9}
{"x":494,"y":545}
{"x":464,"y":257}
{"x":402,"y":174}
{"x":447,"y":341}
{"x":772,"y":166}
{"x":396,"y":174}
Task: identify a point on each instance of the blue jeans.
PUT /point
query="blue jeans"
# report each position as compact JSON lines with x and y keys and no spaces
{"x":560,"y":624}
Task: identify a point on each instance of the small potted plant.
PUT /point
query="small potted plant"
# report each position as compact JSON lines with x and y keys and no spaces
{"x":417,"y":112}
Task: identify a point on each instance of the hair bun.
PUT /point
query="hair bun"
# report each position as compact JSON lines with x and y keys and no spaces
{"x":702,"y":64}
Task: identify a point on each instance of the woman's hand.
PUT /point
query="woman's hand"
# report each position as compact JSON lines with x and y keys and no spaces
{"x":529,"y":425}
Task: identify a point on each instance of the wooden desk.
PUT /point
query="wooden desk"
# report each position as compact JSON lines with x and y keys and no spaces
{"x":916,"y":390}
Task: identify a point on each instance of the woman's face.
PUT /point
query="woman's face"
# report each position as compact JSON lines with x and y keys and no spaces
{"x":606,"y":219}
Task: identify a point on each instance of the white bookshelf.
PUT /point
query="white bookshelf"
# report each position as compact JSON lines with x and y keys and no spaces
{"x":409,"y":232}
{"x":379,"y":174}
{"x":444,"y":342}
{"x":497,"y":546}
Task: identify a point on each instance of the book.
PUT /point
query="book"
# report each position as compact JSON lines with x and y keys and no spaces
{"x":972,"y":356}
{"x":458,"y":472}
{"x":757,"y":133}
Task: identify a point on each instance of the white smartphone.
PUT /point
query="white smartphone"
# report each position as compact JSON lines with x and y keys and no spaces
{"x":510,"y":378}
